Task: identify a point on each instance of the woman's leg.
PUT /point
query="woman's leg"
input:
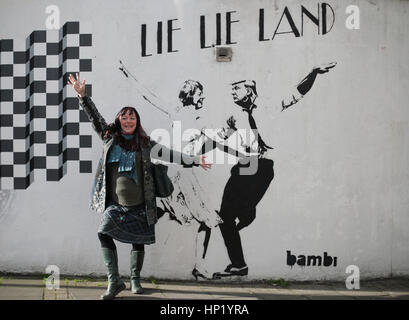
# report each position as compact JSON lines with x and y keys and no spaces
{"x":137,"y":257}
{"x":202,"y":243}
{"x":138,"y":247}
{"x":106,"y":241}
{"x":110,"y":255}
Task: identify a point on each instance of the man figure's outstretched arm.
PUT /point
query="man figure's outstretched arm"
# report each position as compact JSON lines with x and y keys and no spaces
{"x":306,"y":84}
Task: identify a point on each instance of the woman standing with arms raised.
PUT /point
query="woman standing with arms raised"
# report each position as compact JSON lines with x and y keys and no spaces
{"x":124,"y":190}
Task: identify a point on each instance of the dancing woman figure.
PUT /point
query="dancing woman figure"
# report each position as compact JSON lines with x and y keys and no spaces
{"x":189,"y":202}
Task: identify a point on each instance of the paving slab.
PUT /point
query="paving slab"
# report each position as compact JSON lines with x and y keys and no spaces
{"x":87,"y":289}
{"x":21,"y":289}
{"x":178,"y":291}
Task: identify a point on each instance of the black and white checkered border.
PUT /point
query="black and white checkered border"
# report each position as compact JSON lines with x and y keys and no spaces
{"x":42,"y":128}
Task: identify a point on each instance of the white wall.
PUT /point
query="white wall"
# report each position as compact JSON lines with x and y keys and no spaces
{"x":341,"y":154}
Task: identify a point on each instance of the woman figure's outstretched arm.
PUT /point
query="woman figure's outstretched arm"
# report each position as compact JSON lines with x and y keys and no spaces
{"x":161,"y":152}
{"x":97,"y":120}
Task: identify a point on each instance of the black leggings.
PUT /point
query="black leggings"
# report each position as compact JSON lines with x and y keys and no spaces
{"x":108,"y":242}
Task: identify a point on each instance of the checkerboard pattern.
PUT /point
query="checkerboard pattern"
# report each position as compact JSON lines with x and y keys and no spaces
{"x":43,"y":132}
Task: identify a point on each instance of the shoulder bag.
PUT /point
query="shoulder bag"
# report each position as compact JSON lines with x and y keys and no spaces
{"x":163,"y":185}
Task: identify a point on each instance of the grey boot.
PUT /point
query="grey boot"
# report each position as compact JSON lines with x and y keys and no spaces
{"x":136,"y":267}
{"x":115,"y":284}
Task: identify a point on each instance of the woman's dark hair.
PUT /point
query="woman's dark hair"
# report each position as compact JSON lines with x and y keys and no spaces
{"x":115,"y":131}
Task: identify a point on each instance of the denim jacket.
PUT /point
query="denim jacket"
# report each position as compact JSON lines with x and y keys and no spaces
{"x":98,"y":193}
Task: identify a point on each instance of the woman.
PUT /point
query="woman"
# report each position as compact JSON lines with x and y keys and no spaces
{"x":124,"y":188}
{"x":189,"y":202}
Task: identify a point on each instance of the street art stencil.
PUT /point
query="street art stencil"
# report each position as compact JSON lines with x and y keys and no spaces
{"x":254,"y":168}
{"x":240,"y":135}
{"x":40,"y":122}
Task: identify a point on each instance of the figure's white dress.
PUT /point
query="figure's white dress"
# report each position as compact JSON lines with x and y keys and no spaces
{"x":189,"y":201}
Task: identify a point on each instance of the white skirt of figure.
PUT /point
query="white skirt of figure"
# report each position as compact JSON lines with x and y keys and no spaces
{"x":188,"y":200}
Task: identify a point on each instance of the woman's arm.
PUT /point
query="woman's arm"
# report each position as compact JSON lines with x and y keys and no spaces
{"x":97,"y":120}
{"x":161,"y":152}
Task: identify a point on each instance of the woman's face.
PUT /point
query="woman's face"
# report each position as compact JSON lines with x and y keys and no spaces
{"x":128,"y":122}
{"x":198,"y":98}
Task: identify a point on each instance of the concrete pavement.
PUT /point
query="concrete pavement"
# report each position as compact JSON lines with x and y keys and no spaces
{"x":29,"y":288}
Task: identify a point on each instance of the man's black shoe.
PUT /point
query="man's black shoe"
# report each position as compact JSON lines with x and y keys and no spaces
{"x":232,"y":271}
{"x":228,"y":268}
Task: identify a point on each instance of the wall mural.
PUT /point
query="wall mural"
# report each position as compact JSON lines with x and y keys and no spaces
{"x":41,"y":130}
{"x":188,"y":202}
{"x":40,"y":123}
{"x":238,"y":205}
{"x":254,"y":167}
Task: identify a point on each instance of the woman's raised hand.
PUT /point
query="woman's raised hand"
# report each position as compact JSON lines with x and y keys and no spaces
{"x":203,"y":163}
{"x":76,"y":84}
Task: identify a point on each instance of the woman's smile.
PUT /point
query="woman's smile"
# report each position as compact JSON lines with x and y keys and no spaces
{"x":128,"y":123}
